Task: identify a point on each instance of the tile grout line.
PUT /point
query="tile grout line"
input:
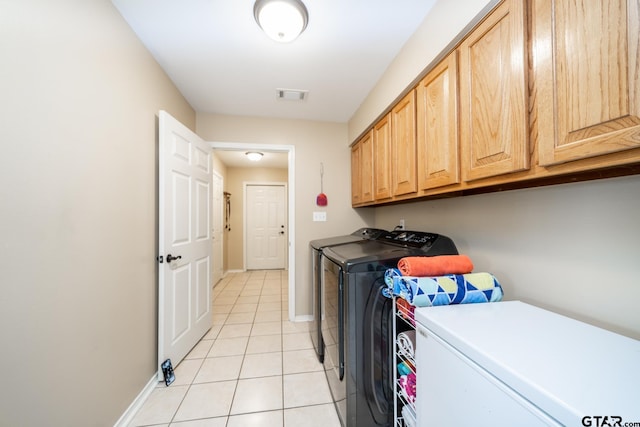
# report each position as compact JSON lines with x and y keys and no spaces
{"x":282,"y":352}
{"x":244,"y":355}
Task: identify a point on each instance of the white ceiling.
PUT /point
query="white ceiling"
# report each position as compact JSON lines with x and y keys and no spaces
{"x":238,"y":159}
{"x":223,"y":63}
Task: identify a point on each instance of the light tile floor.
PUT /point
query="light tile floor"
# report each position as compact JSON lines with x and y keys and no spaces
{"x":254,"y":368}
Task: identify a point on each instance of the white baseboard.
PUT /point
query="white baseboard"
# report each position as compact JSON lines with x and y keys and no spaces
{"x":137,"y":403}
{"x":304,"y":318}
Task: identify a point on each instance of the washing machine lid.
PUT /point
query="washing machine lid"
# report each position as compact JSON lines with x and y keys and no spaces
{"x":360,"y":234}
{"x":332,"y":241}
{"x":367,"y":255}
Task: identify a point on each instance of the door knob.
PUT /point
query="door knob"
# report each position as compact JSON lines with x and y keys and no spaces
{"x":173,"y":258}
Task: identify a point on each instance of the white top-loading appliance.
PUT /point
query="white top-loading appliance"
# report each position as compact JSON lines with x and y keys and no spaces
{"x":510,"y":363}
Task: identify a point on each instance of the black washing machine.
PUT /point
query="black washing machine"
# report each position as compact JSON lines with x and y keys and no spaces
{"x":357,"y":325}
{"x":316,"y":253}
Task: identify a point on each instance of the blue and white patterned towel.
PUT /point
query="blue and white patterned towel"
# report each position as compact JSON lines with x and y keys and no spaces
{"x":388,"y":280}
{"x":444,"y":290}
{"x":389,"y":275}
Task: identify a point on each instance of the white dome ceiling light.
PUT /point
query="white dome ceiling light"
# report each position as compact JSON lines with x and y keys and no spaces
{"x":254,"y":156}
{"x":281,"y":20}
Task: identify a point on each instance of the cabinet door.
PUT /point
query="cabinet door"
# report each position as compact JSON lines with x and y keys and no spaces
{"x":366,"y":167}
{"x":587,"y":77}
{"x":437,"y":120}
{"x":403,"y":146}
{"x":362,"y":170}
{"x":356,"y":182}
{"x":382,"y":159}
{"x":493,"y":103}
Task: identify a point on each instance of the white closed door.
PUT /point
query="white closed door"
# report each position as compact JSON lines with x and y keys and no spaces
{"x":184,"y":275}
{"x":217,"y":230}
{"x":266,"y":228}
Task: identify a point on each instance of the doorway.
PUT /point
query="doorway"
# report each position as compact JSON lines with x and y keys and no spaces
{"x":290,"y":240}
{"x":265,"y":226}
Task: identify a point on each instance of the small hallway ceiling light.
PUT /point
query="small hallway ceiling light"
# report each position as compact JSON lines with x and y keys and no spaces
{"x":281,"y":20}
{"x":254,"y":156}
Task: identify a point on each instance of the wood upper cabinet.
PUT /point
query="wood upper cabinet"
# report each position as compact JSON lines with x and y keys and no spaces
{"x":403,"y":146}
{"x":362,"y":163}
{"x":493,"y":101}
{"x":587,"y":77}
{"x":382,"y":156}
{"x":564,"y":73}
{"x":437,"y":126}
{"x":356,"y":180}
{"x":367,"y":162}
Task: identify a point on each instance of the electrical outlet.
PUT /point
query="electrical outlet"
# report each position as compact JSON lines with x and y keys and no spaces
{"x":319,"y":216}
{"x":402,"y":224}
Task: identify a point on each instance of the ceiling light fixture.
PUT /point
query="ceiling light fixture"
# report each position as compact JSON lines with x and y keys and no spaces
{"x":254,"y":156}
{"x":281,"y":20}
{"x":291,"y":94}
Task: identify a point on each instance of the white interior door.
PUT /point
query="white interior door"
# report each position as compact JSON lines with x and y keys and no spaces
{"x":184,"y":288}
{"x":266,"y":228}
{"x":218,"y":227}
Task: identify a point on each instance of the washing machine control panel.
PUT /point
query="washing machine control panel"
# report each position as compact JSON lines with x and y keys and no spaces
{"x":412,"y":239}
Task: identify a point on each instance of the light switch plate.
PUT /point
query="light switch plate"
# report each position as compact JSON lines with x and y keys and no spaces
{"x":319,"y":216}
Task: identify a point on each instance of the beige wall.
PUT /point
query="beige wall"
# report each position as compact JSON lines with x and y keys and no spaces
{"x":570,"y":248}
{"x":237,"y":178}
{"x":78,"y":212}
{"x":314,"y":142}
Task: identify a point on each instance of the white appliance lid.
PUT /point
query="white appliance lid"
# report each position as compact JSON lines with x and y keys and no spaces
{"x":565,"y":367}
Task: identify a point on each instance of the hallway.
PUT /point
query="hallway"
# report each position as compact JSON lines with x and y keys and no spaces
{"x":253,"y":368}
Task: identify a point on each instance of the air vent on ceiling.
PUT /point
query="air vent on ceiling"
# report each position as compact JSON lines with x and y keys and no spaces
{"x":291,"y":94}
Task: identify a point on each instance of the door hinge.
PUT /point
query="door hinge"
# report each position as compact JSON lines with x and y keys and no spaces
{"x":160,"y":259}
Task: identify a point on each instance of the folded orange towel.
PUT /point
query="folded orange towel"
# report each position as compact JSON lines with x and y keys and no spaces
{"x":435,"y":265}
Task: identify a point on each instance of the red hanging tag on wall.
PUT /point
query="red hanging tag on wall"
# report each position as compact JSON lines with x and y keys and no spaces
{"x":321,"y":199}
